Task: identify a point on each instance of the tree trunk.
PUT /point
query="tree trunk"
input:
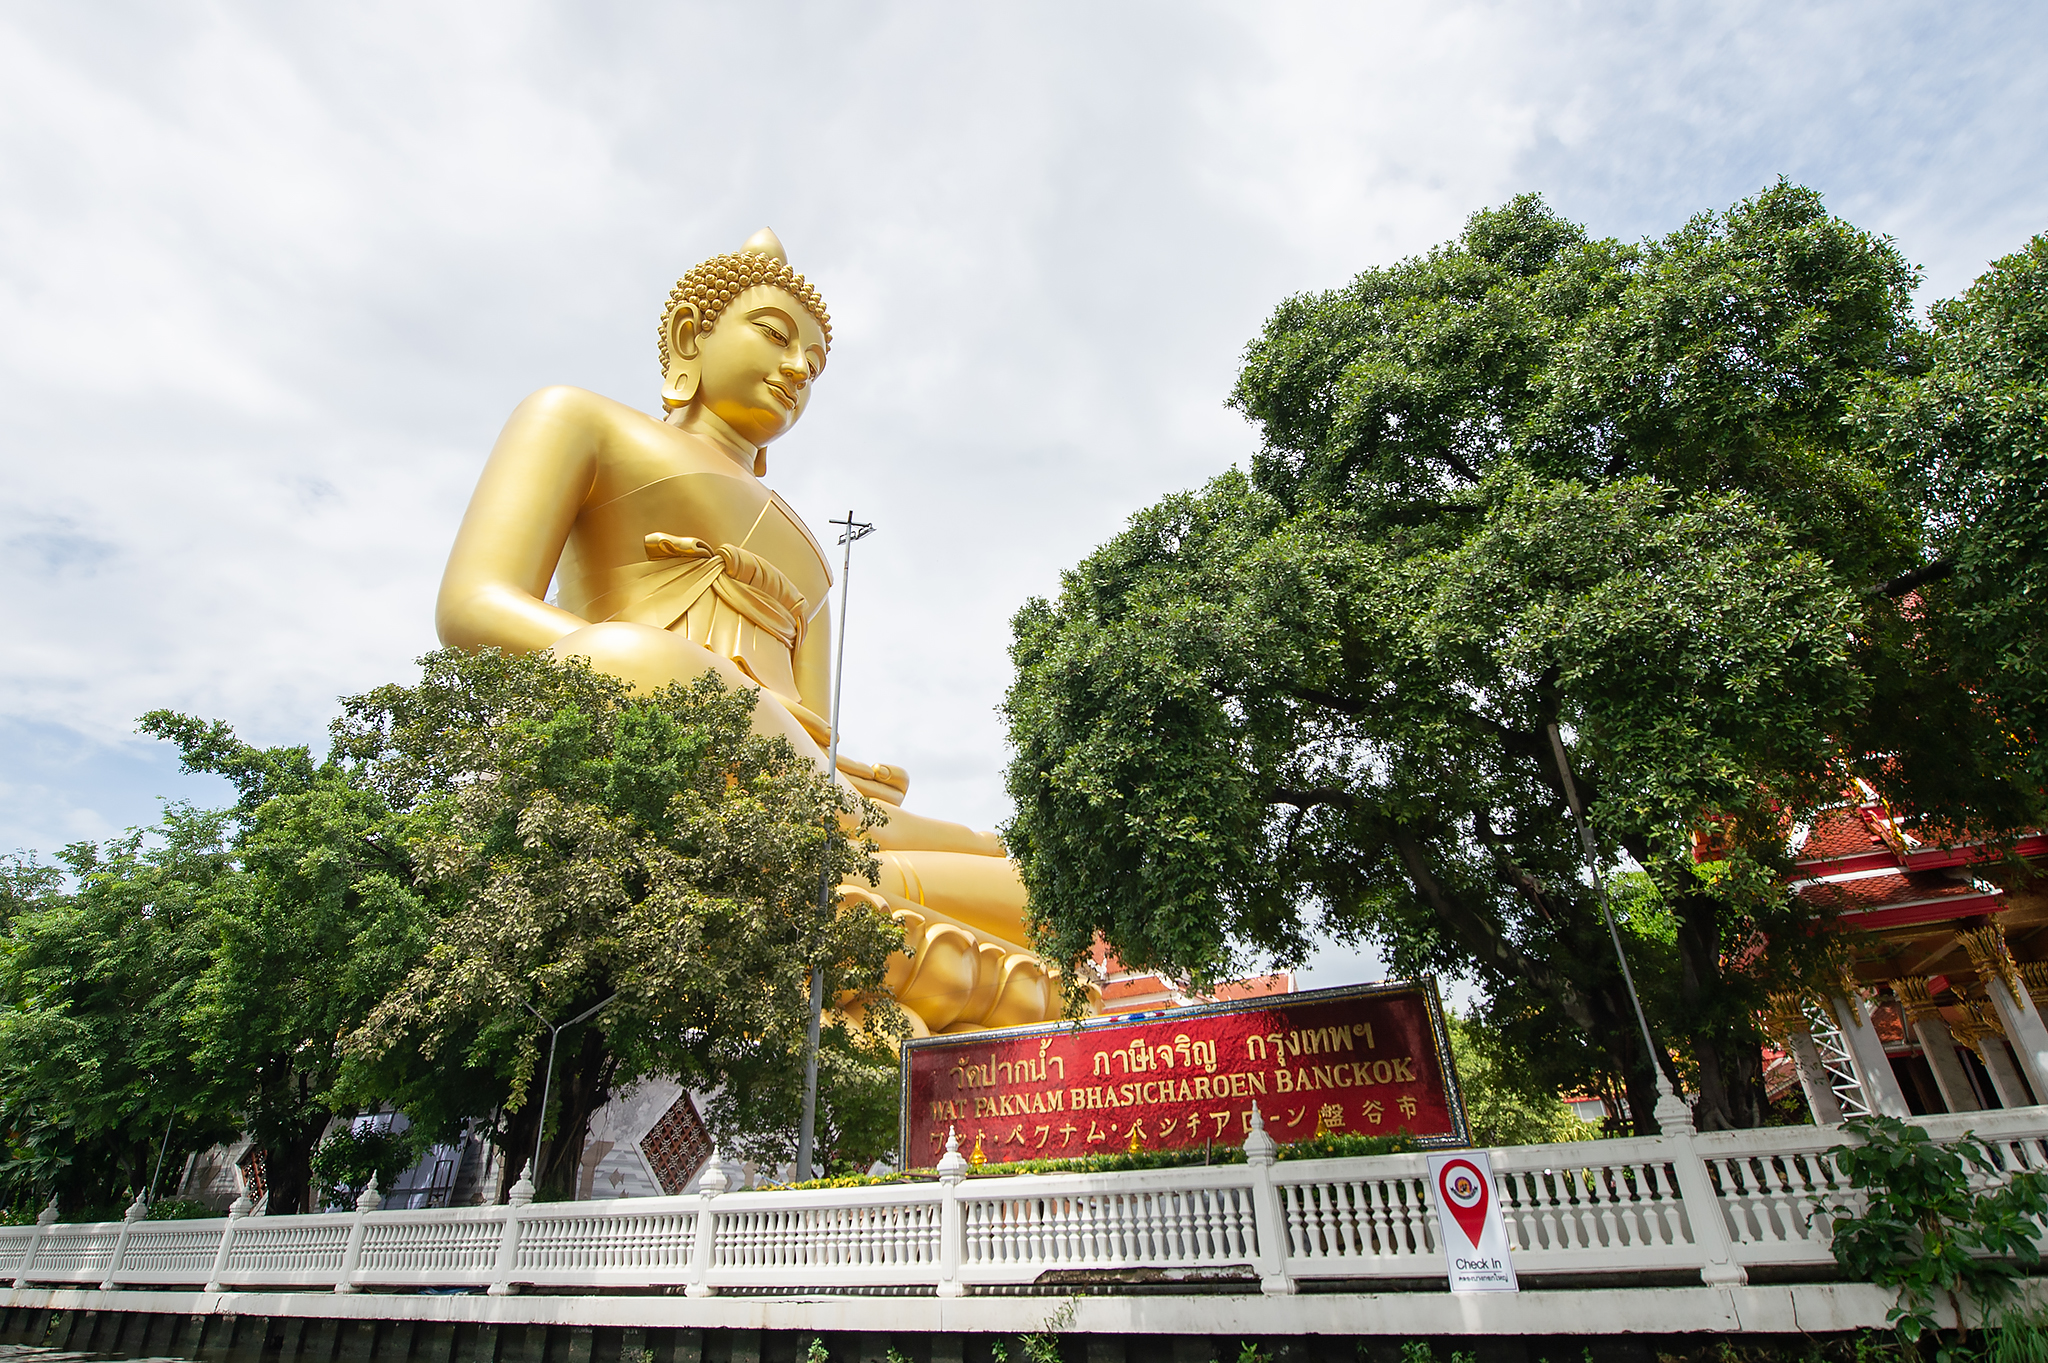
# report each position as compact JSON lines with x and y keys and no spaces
{"x":582,"y":1085}
{"x":1727,"y":1061}
{"x":1621,"y":1037}
{"x":290,"y":1165}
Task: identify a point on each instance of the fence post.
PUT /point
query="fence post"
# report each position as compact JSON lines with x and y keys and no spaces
{"x":952,"y":1218}
{"x":1703,"y":1210}
{"x":236,"y":1211}
{"x":35,"y":1241}
{"x":368,"y":1202}
{"x":1270,"y":1263}
{"x":136,"y":1211}
{"x":709,"y":1187}
{"x":508,"y":1242}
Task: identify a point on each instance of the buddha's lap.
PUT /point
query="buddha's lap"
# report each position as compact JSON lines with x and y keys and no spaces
{"x":648,"y":660}
{"x":984,"y":894}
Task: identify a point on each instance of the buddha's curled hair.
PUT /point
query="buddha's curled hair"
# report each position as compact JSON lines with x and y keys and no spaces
{"x":713,"y":285}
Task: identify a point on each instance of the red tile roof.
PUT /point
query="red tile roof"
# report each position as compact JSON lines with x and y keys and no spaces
{"x":1841,"y":833}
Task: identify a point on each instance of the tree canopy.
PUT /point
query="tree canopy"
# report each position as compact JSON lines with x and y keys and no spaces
{"x":1971,"y":430}
{"x":649,"y":857}
{"x":1529,"y":479}
{"x":484,"y":854}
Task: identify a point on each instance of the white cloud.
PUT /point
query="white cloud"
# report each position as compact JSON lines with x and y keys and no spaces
{"x":270,"y":278}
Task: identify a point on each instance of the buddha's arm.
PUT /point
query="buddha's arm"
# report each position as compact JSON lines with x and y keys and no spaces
{"x":532,"y":488}
{"x":812,"y":665}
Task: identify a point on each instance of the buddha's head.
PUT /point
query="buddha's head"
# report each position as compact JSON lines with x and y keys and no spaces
{"x":743,"y":338}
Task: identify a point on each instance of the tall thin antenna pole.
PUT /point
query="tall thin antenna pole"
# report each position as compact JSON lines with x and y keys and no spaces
{"x":1671,"y":1111}
{"x":807,"y":1129}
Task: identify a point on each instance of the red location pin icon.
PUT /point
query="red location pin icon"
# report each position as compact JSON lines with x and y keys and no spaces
{"x":1465,"y":1192}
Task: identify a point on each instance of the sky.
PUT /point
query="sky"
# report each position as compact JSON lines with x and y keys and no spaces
{"x":271,"y":278}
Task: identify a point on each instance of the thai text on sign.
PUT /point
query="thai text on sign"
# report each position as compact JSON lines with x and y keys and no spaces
{"x":1367,"y":1060}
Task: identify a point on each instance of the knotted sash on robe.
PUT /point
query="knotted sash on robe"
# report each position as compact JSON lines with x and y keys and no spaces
{"x":732,"y":601}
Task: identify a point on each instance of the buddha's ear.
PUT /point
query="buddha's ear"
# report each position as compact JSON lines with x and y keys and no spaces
{"x":685,"y":361}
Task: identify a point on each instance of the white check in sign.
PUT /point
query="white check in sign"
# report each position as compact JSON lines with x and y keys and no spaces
{"x":1468,"y":1222}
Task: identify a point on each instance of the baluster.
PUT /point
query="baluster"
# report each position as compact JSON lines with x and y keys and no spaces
{"x":1777,"y":1191}
{"x":1540,"y":1204}
{"x":1586,"y":1188}
{"x":1531,"y":1198}
{"x":1738,"y":1198}
{"x":1606,"y":1187}
{"x":1376,"y":1227}
{"x":1340,"y":1206}
{"x":1577,"y":1202}
{"x":1634,"y":1206}
{"x":1347,"y":1217}
{"x":1519,"y":1215}
{"x":1290,"y":1217}
{"x":1565,"y":1209}
{"x":1668,"y":1209}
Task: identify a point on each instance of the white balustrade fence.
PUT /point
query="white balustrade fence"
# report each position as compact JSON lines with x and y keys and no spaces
{"x":1717,"y":1205}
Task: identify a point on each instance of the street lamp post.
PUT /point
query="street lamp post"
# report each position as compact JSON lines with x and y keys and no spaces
{"x":548,"y":1076}
{"x":1671,"y":1111}
{"x":806,"y":1136}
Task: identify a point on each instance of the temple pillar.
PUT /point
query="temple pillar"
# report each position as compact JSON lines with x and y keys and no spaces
{"x":1978,"y":1029}
{"x":1937,"y":1043}
{"x":2011,"y":1003}
{"x":1788,"y":1022}
{"x":1874,"y":1075}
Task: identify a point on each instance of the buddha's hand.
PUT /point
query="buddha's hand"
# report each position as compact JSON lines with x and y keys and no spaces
{"x":878,"y":782}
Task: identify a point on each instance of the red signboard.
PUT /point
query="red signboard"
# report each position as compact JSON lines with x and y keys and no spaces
{"x":1369,"y":1060}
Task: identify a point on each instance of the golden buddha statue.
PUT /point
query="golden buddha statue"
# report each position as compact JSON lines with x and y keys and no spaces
{"x":672,"y":558}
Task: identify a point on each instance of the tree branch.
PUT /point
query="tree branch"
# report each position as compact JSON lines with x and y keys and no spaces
{"x":1530,"y":887}
{"x":1907,"y":581}
{"x":1482,"y":937}
{"x":1309,"y":799}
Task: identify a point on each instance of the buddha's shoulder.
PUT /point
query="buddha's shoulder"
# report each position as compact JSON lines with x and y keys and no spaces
{"x":562,"y":401}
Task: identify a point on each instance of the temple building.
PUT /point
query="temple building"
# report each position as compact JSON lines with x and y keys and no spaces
{"x":1939,"y":1012}
{"x":1126,"y":991}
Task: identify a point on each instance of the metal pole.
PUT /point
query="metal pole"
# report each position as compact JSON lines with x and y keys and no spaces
{"x":548,"y":1076}
{"x":807,"y":1128}
{"x":1672,"y":1113}
{"x":166,"y":1145}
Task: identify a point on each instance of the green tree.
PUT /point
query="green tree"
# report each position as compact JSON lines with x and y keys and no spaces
{"x":314,"y":923}
{"x":1529,"y":479}
{"x":1972,"y":430}
{"x":858,"y":1087}
{"x":96,"y":1064}
{"x":647,"y":856}
{"x":1505,"y":1101}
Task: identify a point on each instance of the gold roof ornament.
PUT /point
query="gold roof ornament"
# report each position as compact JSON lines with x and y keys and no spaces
{"x":1914,"y":1000}
{"x":2035,"y":973}
{"x":1988,"y":954}
{"x":1787,"y":1017}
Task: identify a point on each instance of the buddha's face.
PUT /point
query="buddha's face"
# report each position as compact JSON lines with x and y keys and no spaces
{"x":758,"y":362}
